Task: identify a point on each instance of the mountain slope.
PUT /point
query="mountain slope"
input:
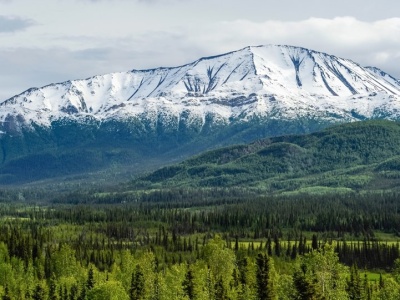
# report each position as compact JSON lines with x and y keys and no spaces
{"x":361,"y":155}
{"x":167,"y":114}
{"x":244,"y":83}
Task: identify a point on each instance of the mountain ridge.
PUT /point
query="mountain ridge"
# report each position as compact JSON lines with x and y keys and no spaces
{"x":349,"y":157}
{"x":174,"y":112}
{"x":255,"y":76}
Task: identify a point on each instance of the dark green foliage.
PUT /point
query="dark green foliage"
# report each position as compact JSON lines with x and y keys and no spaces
{"x":188,"y":285}
{"x":343,"y":158}
{"x":53,"y":290}
{"x":165,"y":242}
{"x":266,"y":285}
{"x":314,"y":243}
{"x":354,"y":287}
{"x":39,"y":293}
{"x":306,"y":289}
{"x":6,"y":295}
{"x":220,"y":291}
{"x":68,"y":147}
{"x":136,"y":291}
{"x":90,"y":280}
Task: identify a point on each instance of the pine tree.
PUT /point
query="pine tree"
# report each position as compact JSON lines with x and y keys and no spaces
{"x":188,"y":285}
{"x":354,"y":284}
{"x":266,"y":286}
{"x":305,"y":289}
{"x":314,"y":242}
{"x":82,"y":294}
{"x":277,"y":245}
{"x":90,"y":280}
{"x":136,"y":291}
{"x":367,"y":289}
{"x":38,"y":293}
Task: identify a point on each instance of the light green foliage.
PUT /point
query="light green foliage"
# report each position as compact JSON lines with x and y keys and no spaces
{"x":171,"y":283}
{"x":247,"y":288}
{"x":124,"y":267}
{"x":4,"y":256}
{"x":171,"y":258}
{"x":40,"y":291}
{"x":322,"y":268}
{"x":390,"y":290}
{"x":108,"y":290}
{"x":6,"y":275}
{"x":220,"y":260}
{"x":285,"y":287}
{"x":24,"y":278}
{"x":65,"y":264}
{"x":147,"y":266}
{"x":396,"y":270}
{"x":203,"y":288}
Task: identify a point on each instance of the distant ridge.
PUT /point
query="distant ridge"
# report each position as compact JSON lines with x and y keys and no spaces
{"x":346,"y":158}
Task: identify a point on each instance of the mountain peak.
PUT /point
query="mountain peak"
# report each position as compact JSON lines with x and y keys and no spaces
{"x":141,"y":117}
{"x":266,"y":80}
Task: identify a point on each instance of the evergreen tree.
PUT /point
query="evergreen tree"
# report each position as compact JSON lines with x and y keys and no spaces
{"x":306,"y":289}
{"x":354,"y":284}
{"x":82,"y":294}
{"x":90,"y":280}
{"x":39,"y":293}
{"x":266,"y":285}
{"x":188,"y":284}
{"x":314,"y":242}
{"x":277,"y":245}
{"x":136,"y":291}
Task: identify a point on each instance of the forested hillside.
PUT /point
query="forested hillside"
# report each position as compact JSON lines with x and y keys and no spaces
{"x":350,"y":157}
{"x":295,"y":217}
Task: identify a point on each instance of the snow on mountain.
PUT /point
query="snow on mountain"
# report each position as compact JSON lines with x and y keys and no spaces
{"x":264,"y":81}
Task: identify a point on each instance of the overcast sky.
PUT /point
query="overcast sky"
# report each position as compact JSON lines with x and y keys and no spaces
{"x":46,"y":41}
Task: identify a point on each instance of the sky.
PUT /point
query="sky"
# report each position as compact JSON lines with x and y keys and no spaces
{"x":48,"y":41}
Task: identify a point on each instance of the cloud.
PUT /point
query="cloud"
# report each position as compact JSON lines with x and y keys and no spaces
{"x":141,"y":1}
{"x":23,"y":68}
{"x":367,"y":43}
{"x":13,"y":24}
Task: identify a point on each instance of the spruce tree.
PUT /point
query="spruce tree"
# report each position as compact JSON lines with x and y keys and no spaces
{"x":136,"y":291}
{"x":38,"y":293}
{"x":188,"y":285}
{"x":266,"y":286}
{"x":90,"y":280}
{"x":354,"y":284}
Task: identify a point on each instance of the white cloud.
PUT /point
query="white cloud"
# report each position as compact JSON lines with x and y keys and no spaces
{"x":64,"y":57}
{"x":367,"y":43}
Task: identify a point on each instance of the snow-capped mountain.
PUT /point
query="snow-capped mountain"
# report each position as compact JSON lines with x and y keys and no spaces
{"x":266,"y":81}
{"x":238,"y":96}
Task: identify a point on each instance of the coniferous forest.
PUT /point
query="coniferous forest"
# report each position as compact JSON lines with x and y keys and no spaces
{"x":169,"y":246}
{"x":300,"y":217}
